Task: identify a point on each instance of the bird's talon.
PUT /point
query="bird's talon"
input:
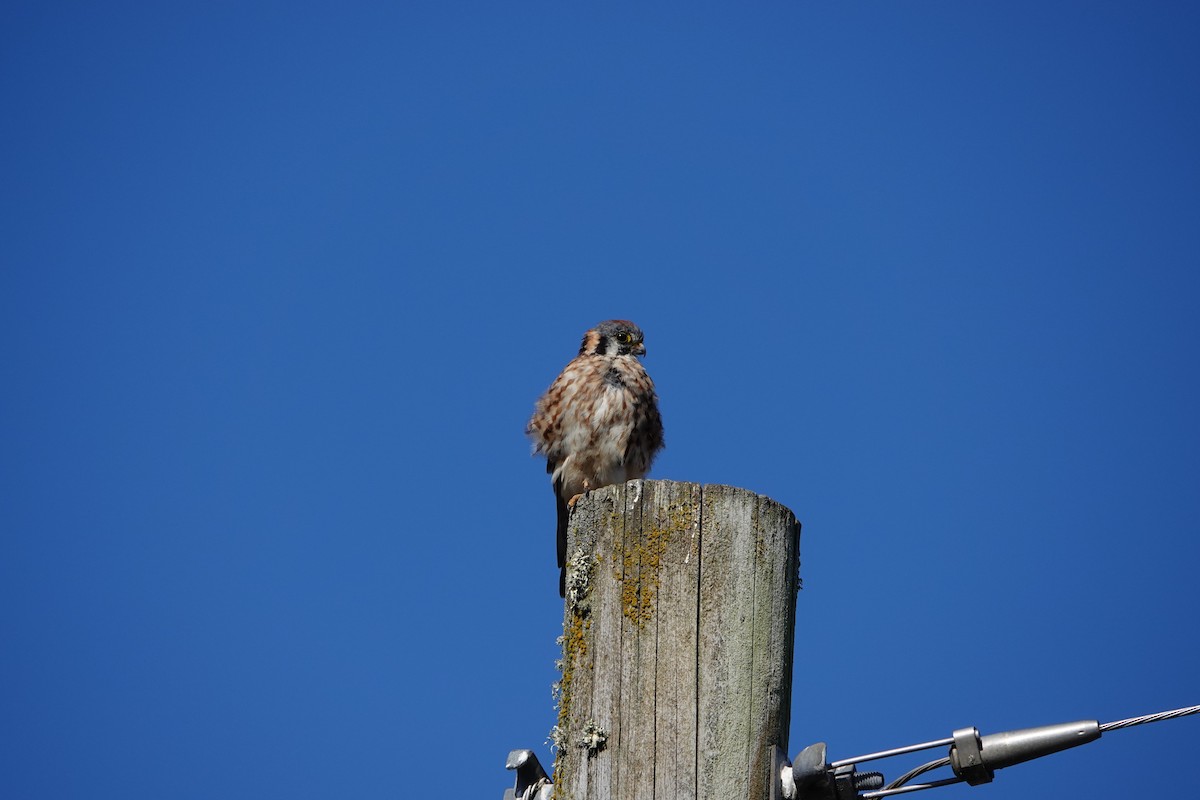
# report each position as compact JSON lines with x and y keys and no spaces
{"x":571,"y":503}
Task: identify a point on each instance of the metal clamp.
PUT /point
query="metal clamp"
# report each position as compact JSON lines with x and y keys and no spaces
{"x":966,"y":757}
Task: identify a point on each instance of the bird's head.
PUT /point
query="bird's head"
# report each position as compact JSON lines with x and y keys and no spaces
{"x":616,"y":337}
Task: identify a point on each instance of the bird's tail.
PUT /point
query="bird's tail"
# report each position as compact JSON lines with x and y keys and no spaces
{"x":564,"y":515}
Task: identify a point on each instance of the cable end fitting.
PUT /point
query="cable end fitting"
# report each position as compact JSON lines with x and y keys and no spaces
{"x":975,"y":759}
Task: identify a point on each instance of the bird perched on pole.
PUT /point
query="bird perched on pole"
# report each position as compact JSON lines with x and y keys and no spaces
{"x":598,"y":423}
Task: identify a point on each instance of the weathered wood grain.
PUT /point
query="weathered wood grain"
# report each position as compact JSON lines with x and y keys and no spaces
{"x":677,"y":643}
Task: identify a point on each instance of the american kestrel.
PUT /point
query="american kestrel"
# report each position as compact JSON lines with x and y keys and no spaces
{"x":598,"y":423}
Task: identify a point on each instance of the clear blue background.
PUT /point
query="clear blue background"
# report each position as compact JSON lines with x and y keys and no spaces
{"x":282,"y":281}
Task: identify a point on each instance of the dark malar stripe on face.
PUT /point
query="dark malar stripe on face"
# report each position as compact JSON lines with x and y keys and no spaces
{"x":588,"y":345}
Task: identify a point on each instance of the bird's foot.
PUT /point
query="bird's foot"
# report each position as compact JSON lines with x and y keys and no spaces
{"x":571,"y":503}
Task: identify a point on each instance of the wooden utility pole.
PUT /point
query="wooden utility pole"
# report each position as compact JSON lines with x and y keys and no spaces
{"x":677,"y":643}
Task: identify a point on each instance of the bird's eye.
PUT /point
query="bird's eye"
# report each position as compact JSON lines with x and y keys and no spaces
{"x":624,"y":338}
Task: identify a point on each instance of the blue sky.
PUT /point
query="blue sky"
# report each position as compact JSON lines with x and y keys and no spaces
{"x":281,"y":283}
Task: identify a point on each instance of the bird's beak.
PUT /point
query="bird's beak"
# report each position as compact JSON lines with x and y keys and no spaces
{"x":640,"y":350}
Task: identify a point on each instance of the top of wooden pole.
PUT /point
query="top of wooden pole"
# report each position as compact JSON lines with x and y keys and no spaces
{"x":677,"y":642}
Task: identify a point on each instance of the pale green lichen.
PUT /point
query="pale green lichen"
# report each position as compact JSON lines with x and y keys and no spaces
{"x":594,"y":738}
{"x":574,"y":642}
{"x":557,"y":739}
{"x":580,"y":567}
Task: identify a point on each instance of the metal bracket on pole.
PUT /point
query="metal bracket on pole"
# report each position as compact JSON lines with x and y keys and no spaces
{"x":532,"y":781}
